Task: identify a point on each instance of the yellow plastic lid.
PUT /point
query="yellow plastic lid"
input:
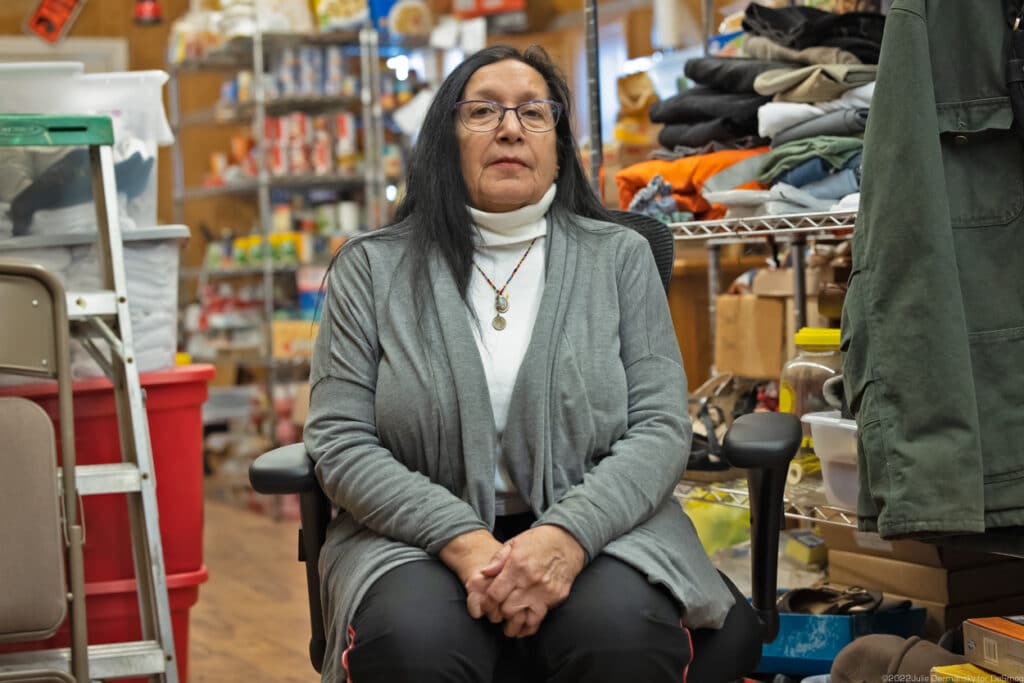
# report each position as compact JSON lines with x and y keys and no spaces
{"x":817,"y":336}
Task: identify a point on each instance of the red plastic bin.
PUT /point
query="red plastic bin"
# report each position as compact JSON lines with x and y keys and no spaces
{"x":112,"y":611}
{"x":174,"y":400}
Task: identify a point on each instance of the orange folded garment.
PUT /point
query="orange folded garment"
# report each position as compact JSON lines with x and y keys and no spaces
{"x":686,"y":176}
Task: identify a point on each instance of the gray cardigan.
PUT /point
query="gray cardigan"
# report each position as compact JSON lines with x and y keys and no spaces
{"x":401,"y":426}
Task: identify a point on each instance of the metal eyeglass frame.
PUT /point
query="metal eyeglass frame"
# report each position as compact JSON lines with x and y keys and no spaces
{"x":555,"y":106}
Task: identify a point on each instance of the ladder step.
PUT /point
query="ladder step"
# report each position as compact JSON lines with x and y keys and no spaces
{"x":119,"y":477}
{"x":117,"y":660}
{"x":83,"y":305}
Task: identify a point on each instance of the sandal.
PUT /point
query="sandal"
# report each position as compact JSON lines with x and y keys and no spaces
{"x":826,"y":600}
{"x":706,"y":442}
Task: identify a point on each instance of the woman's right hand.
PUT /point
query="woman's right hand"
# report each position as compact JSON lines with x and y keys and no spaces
{"x":467,"y":555}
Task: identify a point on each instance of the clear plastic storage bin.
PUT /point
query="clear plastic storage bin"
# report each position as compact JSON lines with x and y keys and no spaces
{"x":46,"y":191}
{"x":835,"y":442}
{"x":151,"y":259}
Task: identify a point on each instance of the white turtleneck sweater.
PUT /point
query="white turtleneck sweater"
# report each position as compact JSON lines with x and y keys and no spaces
{"x":502,"y":240}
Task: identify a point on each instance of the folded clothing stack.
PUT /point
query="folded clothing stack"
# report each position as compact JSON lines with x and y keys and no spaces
{"x":706,"y":129}
{"x":798,"y":28}
{"x":805,"y":79}
{"x":813,"y":174}
{"x":722,"y":109}
{"x":819,"y":108}
{"x":687,"y":176}
{"x":828,"y":85}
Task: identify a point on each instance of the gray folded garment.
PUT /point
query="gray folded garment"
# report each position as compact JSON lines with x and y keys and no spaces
{"x":815,"y":83}
{"x":781,"y":199}
{"x":729,"y":74}
{"x":842,"y":122}
{"x":681,"y":151}
{"x":760,"y":47}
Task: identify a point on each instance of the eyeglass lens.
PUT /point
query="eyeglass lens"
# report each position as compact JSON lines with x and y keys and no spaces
{"x":482,"y":116}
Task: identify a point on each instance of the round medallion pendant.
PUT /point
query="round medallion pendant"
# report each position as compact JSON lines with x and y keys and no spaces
{"x":501,"y":303}
{"x":498,"y":323}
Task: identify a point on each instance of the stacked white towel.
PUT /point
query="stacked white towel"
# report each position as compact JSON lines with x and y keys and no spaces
{"x":151,"y":269}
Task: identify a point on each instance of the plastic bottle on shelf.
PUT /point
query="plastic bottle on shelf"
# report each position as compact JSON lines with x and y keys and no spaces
{"x":800,"y":384}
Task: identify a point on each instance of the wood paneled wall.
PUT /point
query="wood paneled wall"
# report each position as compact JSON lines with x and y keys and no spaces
{"x":107,"y":19}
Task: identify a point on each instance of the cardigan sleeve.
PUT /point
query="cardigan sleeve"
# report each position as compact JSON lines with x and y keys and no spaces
{"x":627,"y":487}
{"x":357,"y":472}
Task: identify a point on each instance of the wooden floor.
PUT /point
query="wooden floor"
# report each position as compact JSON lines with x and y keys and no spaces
{"x":251,"y":622}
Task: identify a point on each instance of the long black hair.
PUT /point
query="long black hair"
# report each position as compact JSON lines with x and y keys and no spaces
{"x":434,"y":205}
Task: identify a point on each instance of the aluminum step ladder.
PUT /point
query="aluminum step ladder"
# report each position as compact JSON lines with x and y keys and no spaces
{"x":100,"y":321}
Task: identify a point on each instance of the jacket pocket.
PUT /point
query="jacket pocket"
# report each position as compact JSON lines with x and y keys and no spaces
{"x":996,"y":358}
{"x":873,"y":479}
{"x":983,"y":163}
{"x":853,"y":341}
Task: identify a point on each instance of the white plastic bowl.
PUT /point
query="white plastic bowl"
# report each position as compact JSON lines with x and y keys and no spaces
{"x":835,"y":443}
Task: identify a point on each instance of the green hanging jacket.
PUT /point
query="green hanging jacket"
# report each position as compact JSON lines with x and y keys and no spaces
{"x":933,"y":324}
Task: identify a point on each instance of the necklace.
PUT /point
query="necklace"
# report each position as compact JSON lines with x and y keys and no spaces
{"x":500,"y":299}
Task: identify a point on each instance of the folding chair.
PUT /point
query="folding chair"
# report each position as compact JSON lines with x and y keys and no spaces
{"x":40,"y":532}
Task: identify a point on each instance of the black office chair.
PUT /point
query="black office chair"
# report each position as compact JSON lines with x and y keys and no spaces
{"x":659,"y":237}
{"x":762,"y":443}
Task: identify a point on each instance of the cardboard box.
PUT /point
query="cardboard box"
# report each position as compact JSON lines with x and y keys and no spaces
{"x":617,"y":155}
{"x":962,"y":673}
{"x":942,"y":617}
{"x":997,"y":644}
{"x":790,"y":329}
{"x":780,"y":281}
{"x":227,"y":362}
{"x":749,"y":335}
{"x":293,"y":338}
{"x":937,"y":584}
{"x":849,"y":539}
{"x":300,"y":408}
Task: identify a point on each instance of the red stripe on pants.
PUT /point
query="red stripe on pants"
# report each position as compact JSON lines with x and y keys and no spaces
{"x":352,"y":644}
{"x":689,"y":637}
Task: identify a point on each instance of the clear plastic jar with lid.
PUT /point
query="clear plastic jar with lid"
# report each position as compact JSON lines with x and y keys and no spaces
{"x":800,"y":384}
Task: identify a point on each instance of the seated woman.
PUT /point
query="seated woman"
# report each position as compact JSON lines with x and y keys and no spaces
{"x":498,"y":409}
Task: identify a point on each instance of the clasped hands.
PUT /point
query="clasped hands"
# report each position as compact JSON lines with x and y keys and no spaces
{"x":519,"y":581}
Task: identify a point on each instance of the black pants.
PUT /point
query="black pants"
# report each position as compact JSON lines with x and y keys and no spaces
{"x":412,"y":627}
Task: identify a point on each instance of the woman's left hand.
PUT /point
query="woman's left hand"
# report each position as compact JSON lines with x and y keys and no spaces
{"x":537,"y":575}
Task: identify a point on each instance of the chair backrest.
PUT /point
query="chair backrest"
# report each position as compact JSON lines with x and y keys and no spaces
{"x":33,"y":600}
{"x":659,"y":237}
{"x":28,"y":341}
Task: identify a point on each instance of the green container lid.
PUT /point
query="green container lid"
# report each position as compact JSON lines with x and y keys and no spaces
{"x":44,"y":130}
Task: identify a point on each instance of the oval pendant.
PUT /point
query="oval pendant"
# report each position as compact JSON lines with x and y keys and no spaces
{"x":501,"y":303}
{"x":498,"y":323}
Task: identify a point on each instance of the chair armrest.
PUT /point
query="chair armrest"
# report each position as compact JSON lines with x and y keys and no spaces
{"x":762,"y":440}
{"x":287,"y":469}
{"x":764,"y":444}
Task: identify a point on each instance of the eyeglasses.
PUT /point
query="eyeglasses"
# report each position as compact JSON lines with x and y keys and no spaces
{"x":483,"y":116}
